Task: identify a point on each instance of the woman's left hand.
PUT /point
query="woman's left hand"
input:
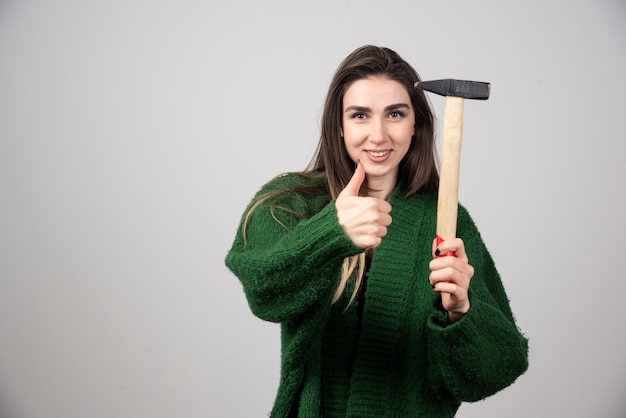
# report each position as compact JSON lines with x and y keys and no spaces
{"x":450,"y":276}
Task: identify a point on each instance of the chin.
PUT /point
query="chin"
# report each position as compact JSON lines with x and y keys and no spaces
{"x":380,"y":172}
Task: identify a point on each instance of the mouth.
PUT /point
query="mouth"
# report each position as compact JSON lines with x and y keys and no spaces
{"x":378,"y":153}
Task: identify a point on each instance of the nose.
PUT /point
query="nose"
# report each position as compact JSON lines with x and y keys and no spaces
{"x":377,"y":133}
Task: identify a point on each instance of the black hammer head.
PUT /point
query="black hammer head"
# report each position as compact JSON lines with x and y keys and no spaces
{"x":460,"y":88}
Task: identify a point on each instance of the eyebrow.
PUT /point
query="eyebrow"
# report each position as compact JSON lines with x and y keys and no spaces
{"x":364,"y":109}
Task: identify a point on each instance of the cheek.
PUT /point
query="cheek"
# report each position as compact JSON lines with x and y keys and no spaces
{"x":350,"y":143}
{"x":353,"y":135}
{"x":403,"y":134}
{"x":351,"y":129}
{"x":403,"y":141}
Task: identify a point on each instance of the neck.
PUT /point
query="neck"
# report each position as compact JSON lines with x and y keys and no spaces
{"x":381,"y":188}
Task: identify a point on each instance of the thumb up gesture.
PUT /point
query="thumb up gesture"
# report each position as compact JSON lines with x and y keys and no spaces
{"x":363,"y":219}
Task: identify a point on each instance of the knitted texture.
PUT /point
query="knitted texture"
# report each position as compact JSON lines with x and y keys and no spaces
{"x":405,"y":360}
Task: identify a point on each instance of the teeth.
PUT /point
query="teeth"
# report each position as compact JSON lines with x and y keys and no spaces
{"x":378,"y":153}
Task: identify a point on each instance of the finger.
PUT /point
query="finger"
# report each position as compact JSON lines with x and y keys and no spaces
{"x":451,"y":268}
{"x":384,"y":219}
{"x":444,"y":274}
{"x":453,"y":246}
{"x":454,"y":297}
{"x":368,"y":241}
{"x":437,"y":248}
{"x":455,"y":287}
{"x":460,"y":249}
{"x":445,"y":287}
{"x":354,"y":185}
{"x":377,"y":242}
{"x":383,"y":206}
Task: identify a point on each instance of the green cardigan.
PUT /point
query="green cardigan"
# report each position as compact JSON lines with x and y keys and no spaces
{"x":405,"y":360}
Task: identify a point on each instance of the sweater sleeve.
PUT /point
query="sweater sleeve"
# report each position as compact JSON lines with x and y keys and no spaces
{"x":484,"y":351}
{"x":289,"y":261}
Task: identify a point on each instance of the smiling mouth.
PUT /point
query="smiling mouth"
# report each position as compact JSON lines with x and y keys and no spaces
{"x":378,"y":153}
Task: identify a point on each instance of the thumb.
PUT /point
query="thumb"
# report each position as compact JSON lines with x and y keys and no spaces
{"x":354,"y":185}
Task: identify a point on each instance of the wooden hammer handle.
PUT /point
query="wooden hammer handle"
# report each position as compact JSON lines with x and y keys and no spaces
{"x":451,"y":140}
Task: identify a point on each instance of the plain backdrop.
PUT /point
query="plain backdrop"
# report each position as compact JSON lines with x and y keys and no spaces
{"x":133,"y":133}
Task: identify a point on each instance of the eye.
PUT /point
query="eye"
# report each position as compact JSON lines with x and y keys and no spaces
{"x":358,"y":115}
{"x":395,"y":114}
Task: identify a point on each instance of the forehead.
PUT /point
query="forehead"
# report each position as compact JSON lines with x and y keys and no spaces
{"x":373,"y":91}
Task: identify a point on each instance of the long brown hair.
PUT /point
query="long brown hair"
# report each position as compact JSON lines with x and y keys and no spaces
{"x":418,"y":169}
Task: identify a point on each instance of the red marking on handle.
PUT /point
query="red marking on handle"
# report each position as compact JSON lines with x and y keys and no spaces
{"x":448,"y":254}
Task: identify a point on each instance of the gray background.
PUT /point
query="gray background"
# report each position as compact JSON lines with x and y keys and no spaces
{"x":133,"y":133}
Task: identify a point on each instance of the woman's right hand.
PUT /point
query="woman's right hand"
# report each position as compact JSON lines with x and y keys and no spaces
{"x":363,"y":219}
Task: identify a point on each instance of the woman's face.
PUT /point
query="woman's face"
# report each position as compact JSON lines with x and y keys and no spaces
{"x":378,"y":123}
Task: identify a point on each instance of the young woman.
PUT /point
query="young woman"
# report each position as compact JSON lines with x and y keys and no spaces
{"x":343,"y":256}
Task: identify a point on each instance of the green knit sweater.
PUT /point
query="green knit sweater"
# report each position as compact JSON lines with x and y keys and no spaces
{"x":405,"y":360}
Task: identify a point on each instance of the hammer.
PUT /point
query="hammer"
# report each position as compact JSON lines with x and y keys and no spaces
{"x":455,"y":91}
